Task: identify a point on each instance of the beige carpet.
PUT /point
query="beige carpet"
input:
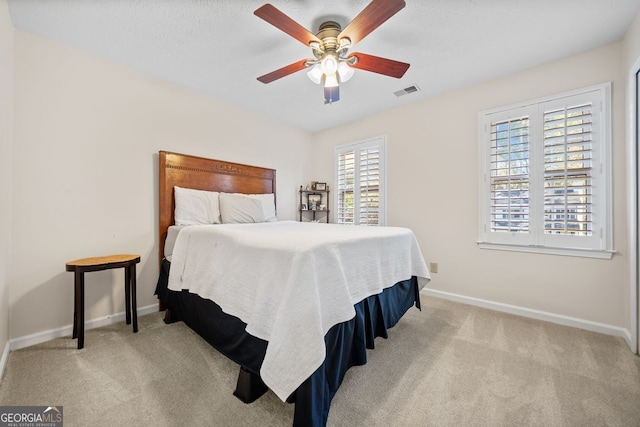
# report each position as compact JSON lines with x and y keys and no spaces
{"x":449,"y":365}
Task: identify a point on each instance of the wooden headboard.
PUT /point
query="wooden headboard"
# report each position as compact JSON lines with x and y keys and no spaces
{"x":187,"y":171}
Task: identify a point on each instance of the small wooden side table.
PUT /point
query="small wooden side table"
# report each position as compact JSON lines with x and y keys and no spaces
{"x":81,"y":266}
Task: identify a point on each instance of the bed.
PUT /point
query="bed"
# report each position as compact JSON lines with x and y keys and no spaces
{"x":295,"y":331}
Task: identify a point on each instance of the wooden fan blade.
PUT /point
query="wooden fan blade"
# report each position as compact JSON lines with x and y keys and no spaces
{"x":371,"y":17}
{"x":379,"y":65}
{"x":284,"y":71}
{"x":279,"y":20}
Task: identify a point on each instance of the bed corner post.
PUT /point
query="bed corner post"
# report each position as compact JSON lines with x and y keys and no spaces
{"x":250,"y":386}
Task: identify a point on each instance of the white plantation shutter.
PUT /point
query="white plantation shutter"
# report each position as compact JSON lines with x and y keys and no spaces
{"x":345,"y":191}
{"x":360,"y":183}
{"x":369,"y":178}
{"x":545,"y":175}
{"x":509,"y":183}
{"x":568,"y":170}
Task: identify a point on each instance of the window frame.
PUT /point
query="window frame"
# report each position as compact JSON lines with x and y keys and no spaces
{"x":381,"y":142}
{"x":600,"y":243}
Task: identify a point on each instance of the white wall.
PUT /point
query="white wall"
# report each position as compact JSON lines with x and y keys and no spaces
{"x":85,"y":173}
{"x":432,"y":188}
{"x":6,"y":147}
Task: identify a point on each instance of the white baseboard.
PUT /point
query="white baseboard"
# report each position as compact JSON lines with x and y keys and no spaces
{"x":39,"y":337}
{"x":630,"y":342}
{"x":3,"y":360}
{"x":535,"y":314}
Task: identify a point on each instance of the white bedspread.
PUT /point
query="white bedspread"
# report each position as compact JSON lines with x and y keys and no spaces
{"x":290,"y":282}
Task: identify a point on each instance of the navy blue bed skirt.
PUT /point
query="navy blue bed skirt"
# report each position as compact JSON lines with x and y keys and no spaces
{"x":346,"y":343}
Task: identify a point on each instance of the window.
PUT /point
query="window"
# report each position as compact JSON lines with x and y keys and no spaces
{"x":545,"y":175}
{"x":360,"y":182}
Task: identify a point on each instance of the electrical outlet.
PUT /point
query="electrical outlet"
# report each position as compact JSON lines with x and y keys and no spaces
{"x":433,"y":267}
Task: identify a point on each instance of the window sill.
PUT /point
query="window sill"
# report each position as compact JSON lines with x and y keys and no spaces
{"x":585,"y":253}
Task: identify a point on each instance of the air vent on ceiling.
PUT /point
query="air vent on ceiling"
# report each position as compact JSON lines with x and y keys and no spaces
{"x":407,"y":90}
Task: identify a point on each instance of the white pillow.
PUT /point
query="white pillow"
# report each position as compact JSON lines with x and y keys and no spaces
{"x":268,"y":205}
{"x":240,"y":209}
{"x":195,"y":207}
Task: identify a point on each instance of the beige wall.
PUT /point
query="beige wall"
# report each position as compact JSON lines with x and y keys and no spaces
{"x":631,"y":43}
{"x":87,"y":133}
{"x":432,"y":188}
{"x":6,"y":146}
{"x":631,"y":49}
{"x":78,"y":119}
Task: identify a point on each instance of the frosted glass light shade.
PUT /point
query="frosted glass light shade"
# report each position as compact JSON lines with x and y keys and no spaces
{"x":329,"y":64}
{"x":345,"y":72}
{"x":315,"y":74}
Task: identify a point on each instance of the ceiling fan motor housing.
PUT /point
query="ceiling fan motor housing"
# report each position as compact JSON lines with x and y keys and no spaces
{"x":328,"y":34}
{"x":329,"y":43}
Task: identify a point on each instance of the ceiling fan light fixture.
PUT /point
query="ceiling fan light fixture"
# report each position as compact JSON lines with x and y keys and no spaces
{"x":329,"y":64}
{"x":330,"y":80}
{"x":345,"y":72}
{"x":315,"y":74}
{"x":344,"y":43}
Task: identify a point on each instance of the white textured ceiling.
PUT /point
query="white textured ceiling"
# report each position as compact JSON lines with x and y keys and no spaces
{"x":218,"y":47}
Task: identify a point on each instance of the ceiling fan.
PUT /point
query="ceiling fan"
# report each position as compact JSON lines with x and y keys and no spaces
{"x":331,"y":63}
